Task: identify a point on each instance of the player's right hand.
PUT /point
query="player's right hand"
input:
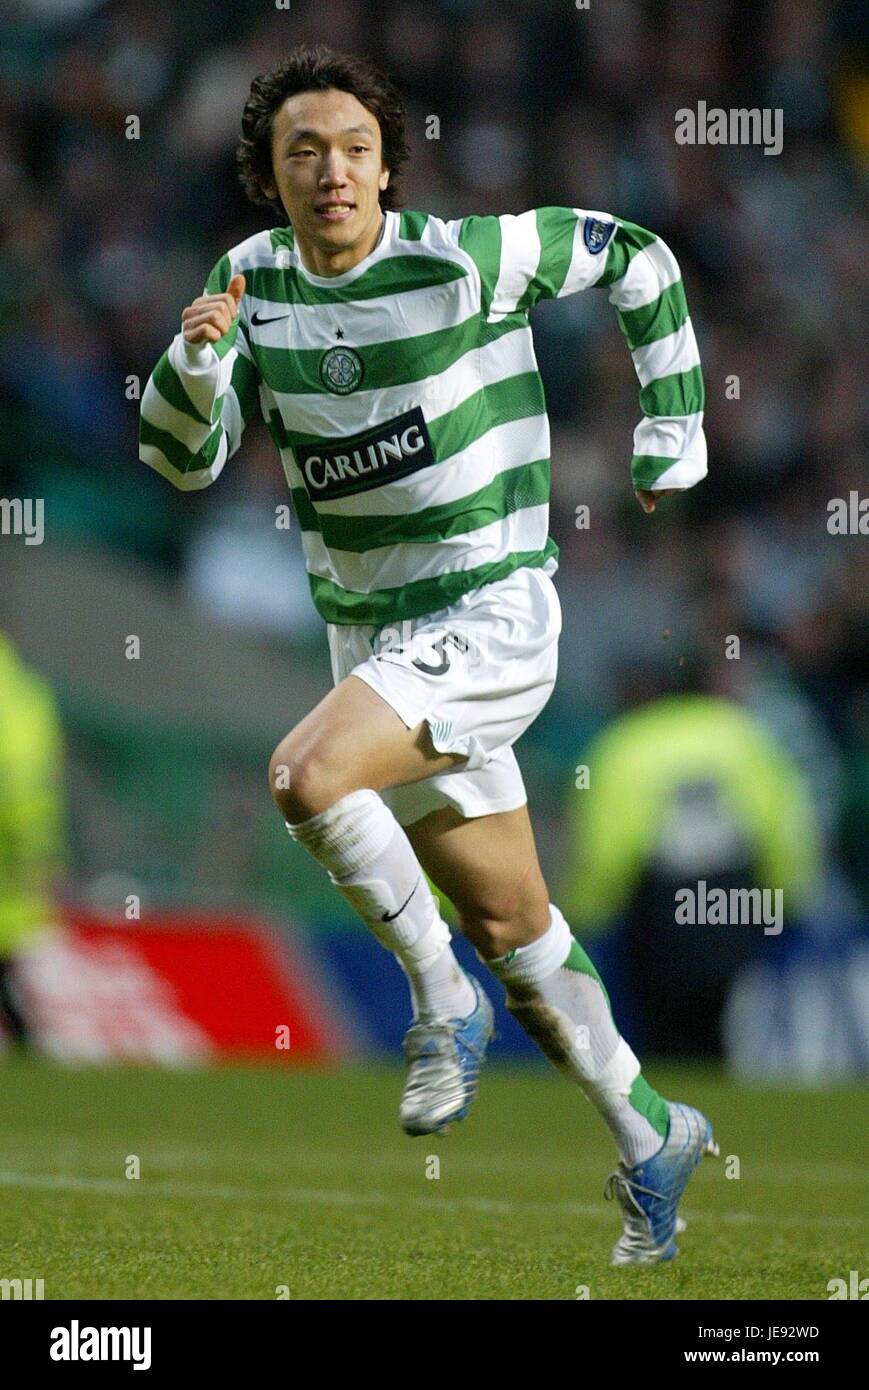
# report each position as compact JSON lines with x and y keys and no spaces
{"x":212,"y":315}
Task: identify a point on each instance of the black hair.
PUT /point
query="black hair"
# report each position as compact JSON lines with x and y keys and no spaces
{"x":319,"y":68}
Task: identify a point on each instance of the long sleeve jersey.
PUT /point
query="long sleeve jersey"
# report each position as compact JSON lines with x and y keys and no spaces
{"x":405,"y":399}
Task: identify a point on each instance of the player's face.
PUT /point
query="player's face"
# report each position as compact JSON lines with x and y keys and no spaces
{"x":328,"y":172}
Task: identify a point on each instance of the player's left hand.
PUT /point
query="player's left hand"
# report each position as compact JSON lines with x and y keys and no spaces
{"x":647,"y":499}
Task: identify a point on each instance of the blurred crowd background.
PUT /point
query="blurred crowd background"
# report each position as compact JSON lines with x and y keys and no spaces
{"x":106,"y":238}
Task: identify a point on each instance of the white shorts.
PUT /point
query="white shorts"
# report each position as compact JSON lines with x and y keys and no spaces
{"x":478,"y":672}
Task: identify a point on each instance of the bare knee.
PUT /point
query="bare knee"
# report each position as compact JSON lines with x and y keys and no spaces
{"x":304,"y":781}
{"x":516,"y":919}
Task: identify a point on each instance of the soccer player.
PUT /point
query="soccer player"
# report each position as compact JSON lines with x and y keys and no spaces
{"x":391,"y":357}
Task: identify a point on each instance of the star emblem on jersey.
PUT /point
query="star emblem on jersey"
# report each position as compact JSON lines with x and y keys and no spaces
{"x":341,"y":370}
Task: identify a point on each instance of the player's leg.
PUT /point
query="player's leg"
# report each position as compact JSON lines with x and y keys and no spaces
{"x":351,"y":739}
{"x":458,"y":688}
{"x":441,"y":701}
{"x":325,"y":777}
{"x":488,"y":866}
{"x":489,"y":869}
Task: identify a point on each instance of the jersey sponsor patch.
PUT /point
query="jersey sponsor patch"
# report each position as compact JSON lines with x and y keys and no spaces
{"x":389,"y":451}
{"x":596,"y":234}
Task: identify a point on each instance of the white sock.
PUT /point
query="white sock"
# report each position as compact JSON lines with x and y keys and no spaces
{"x":372,"y":864}
{"x":564,"y":1008}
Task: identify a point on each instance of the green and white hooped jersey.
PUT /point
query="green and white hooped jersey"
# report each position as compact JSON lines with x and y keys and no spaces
{"x":405,"y":399}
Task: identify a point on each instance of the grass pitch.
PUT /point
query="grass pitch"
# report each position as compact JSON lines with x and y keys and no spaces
{"x":260,"y":1183}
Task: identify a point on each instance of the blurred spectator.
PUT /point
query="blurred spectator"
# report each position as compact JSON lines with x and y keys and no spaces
{"x":32,"y":848}
{"x":687,"y":792}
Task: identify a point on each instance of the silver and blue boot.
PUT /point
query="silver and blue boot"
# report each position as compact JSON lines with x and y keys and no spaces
{"x":444,"y":1060}
{"x":649,"y":1192}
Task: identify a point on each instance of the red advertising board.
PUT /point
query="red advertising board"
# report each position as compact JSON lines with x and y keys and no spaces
{"x":177,"y":989}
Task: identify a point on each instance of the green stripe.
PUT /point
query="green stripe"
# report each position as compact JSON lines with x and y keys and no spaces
{"x":462,"y":426}
{"x":397,"y":275}
{"x":168,"y":383}
{"x":646,"y":469}
{"x":556,"y":228}
{"x":654,"y":321}
{"x":646,"y":1101}
{"x":411,"y":225}
{"x":515,"y":488}
{"x":514,"y":398}
{"x":510,"y":323}
{"x":245,"y":384}
{"x":581,"y":963}
{"x":679,"y":394}
{"x":181,"y":458}
{"x":305,"y":509}
{"x":275,"y":427}
{"x":223,"y":345}
{"x":626,"y":241}
{"x":219,"y":277}
{"x":518,"y":397}
{"x":480,"y":237}
{"x":343,"y":606}
{"x":282,"y":236}
{"x":489,"y":332}
{"x":216,"y":283}
{"x":385,"y":364}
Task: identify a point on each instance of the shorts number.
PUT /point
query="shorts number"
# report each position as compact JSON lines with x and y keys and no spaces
{"x":439,"y":645}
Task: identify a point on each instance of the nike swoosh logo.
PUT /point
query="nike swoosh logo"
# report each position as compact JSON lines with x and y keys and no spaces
{"x":391,"y":916}
{"x":257,"y":320}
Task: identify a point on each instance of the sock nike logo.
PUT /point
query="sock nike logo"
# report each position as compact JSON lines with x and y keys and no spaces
{"x":257,"y":319}
{"x":391,"y":916}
